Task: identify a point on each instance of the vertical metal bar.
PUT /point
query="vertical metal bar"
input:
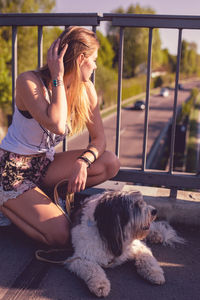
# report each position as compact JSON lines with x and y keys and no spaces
{"x":120,"y":70}
{"x":93,"y":73}
{"x":14,"y":64}
{"x":173,"y":193}
{"x":171,"y":160}
{"x":144,"y":153}
{"x":64,"y":144}
{"x":40,"y":46}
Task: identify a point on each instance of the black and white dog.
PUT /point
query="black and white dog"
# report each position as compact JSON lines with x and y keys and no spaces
{"x":109,"y":231}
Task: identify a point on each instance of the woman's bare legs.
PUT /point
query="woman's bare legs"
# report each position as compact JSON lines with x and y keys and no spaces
{"x":36,"y":215}
{"x":104,"y":168}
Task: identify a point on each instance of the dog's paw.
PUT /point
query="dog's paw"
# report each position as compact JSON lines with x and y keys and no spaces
{"x":155,"y":238}
{"x":101,"y":288}
{"x":156,"y":277}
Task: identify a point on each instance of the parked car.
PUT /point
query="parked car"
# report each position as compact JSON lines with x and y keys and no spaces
{"x":180,"y":86}
{"x":164,"y":92}
{"x":139,"y":105}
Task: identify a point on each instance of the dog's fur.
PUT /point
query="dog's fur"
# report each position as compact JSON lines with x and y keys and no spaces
{"x":109,"y":233}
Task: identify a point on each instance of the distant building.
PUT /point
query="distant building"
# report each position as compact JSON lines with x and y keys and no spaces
{"x":158,"y":72}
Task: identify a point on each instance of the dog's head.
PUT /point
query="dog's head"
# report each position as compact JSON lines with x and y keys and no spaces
{"x":121,"y":217}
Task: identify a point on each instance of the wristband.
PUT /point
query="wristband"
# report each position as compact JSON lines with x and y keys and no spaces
{"x":92,"y":152}
{"x":85,"y":159}
{"x":57,"y":82}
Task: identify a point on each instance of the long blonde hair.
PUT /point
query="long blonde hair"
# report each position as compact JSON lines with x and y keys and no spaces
{"x":80,"y":41}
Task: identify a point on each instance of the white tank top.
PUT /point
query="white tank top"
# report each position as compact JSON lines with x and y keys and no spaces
{"x":26,"y":136}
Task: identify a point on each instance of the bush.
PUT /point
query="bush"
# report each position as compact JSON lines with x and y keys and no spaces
{"x":158,"y":82}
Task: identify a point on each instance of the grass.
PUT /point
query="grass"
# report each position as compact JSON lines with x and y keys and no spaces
{"x":192,"y":143}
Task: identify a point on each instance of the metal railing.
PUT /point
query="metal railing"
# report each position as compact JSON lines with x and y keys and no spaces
{"x":171,"y":179}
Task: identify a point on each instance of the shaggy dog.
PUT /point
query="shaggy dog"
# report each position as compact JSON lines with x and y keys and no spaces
{"x":107,"y":231}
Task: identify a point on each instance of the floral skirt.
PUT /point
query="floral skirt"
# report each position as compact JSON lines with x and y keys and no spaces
{"x":19,"y":173}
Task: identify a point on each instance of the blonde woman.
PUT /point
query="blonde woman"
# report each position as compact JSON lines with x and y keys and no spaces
{"x":54,"y":101}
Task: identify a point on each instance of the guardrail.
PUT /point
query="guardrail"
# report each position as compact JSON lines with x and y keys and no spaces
{"x":171,"y":179}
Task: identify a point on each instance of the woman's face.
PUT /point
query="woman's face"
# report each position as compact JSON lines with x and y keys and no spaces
{"x":88,"y":65}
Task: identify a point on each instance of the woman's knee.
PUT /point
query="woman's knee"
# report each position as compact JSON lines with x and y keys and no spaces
{"x":112,"y":164}
{"x":58,"y":237}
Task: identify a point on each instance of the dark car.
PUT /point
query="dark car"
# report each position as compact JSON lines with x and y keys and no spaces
{"x":164,"y":92}
{"x":139,"y":105}
{"x":180,"y":86}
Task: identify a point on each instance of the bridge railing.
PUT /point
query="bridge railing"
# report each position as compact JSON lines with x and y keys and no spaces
{"x":169,"y":178}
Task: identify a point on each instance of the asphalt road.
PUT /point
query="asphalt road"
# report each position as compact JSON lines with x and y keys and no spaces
{"x":132,"y":127}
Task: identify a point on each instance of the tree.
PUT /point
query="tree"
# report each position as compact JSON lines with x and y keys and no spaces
{"x":106,"y":53}
{"x":27,"y":42}
{"x":5,"y":72}
{"x":136,"y":43}
{"x":168,"y":61}
{"x":189,"y":58}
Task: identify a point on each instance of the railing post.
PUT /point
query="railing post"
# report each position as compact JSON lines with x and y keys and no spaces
{"x":147,"y":100}
{"x":14,"y":64}
{"x":93,"y":73}
{"x":120,"y":71}
{"x":40,"y":46}
{"x":173,"y":130}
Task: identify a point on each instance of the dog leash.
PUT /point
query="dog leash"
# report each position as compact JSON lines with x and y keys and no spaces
{"x":69,"y":203}
{"x":69,"y":200}
{"x":39,"y":255}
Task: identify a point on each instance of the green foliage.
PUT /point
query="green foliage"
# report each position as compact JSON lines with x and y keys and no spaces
{"x":26,"y":6}
{"x":5,"y":69}
{"x":105,"y":53}
{"x":27,"y":44}
{"x":189,"y":58}
{"x":133,"y":86}
{"x":192,"y":143}
{"x":194,"y":93}
{"x":158,"y":82}
{"x":135,"y":43}
{"x":106,"y":85}
{"x":168,"y":61}
{"x":188,"y":106}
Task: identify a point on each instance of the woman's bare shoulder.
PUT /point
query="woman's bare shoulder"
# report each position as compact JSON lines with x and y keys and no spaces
{"x":28,"y":89}
{"x":27,"y":76}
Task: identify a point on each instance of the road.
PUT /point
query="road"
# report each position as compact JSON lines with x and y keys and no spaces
{"x":132,"y":127}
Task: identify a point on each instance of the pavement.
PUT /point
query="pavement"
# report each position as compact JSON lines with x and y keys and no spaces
{"x":22,"y":277}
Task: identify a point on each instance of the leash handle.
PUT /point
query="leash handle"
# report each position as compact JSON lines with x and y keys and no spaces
{"x":38,"y":255}
{"x":69,"y":199}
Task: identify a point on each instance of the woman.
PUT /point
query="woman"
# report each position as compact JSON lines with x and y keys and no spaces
{"x":51,"y":102}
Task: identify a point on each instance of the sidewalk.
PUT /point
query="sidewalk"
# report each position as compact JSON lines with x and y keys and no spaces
{"x":22,"y":277}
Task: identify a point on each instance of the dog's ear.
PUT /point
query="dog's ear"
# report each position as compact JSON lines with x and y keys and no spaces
{"x":111,"y":221}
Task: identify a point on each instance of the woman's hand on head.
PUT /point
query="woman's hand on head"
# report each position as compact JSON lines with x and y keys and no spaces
{"x":78,"y":177}
{"x":55,"y":60}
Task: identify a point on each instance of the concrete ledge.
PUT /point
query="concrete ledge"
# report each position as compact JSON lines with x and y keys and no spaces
{"x":184,"y":209}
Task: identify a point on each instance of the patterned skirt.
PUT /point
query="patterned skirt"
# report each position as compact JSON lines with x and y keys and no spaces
{"x":19,"y":173}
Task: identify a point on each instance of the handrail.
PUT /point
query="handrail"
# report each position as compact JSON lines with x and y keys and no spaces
{"x":143,"y":176}
{"x":49,"y":19}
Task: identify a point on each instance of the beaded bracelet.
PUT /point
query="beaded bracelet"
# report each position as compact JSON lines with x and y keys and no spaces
{"x":57,"y":82}
{"x":85,"y":159}
{"x":92,"y":152}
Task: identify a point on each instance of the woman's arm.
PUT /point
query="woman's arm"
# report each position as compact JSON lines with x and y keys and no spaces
{"x":78,"y":176}
{"x":95,"y":127}
{"x":30,"y":94}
